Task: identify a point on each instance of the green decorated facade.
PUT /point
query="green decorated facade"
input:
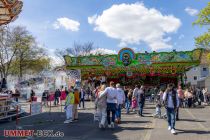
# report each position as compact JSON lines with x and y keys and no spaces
{"x":137,"y":64}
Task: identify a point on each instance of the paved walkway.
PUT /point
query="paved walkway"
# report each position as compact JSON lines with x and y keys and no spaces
{"x":194,"y":125}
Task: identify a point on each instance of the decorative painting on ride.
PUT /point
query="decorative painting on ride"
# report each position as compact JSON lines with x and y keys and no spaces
{"x":126,"y":55}
{"x":140,"y":64}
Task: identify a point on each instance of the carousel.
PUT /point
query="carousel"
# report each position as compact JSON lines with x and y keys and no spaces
{"x":9,"y":10}
{"x":129,"y":68}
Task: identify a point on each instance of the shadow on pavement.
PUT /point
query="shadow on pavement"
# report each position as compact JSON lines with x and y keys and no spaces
{"x":84,"y":129}
{"x":127,"y":122}
{"x":150,"y":108}
{"x":180,"y":131}
{"x":191,"y":120}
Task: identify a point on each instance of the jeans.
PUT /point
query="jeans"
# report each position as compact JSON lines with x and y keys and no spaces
{"x":118,"y":112}
{"x":158,"y":111}
{"x":83,"y":102}
{"x":177,"y":113}
{"x":141,"y":105}
{"x":189,"y":102}
{"x":111,"y":107}
{"x":127,"y":106}
{"x":56,"y":101}
{"x":171,"y":117}
{"x":69,"y":112}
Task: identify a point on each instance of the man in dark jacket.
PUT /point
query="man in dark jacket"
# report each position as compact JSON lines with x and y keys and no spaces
{"x":82,"y":98}
{"x":57,"y":95}
{"x":171,"y":101}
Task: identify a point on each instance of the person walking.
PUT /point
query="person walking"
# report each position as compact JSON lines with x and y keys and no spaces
{"x":134,"y":103}
{"x":32,"y":95}
{"x":69,"y":102}
{"x":158,"y":107}
{"x":135,"y":91}
{"x":141,"y":100}
{"x":44,"y":97}
{"x":134,"y":97}
{"x":101,"y":107}
{"x":189,"y":97}
{"x":56,"y":99}
{"x":111,"y":95}
{"x":76,"y":102}
{"x":82,"y":98}
{"x":205,"y":92}
{"x":171,"y":101}
{"x":181,"y":99}
{"x":128,"y":100}
{"x":120,"y":102}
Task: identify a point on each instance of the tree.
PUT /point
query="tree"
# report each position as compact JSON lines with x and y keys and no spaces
{"x":29,"y":57}
{"x":8,"y":50}
{"x":78,"y":49}
{"x":19,"y":52}
{"x":203,"y":41}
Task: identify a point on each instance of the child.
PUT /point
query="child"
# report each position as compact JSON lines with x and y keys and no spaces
{"x":158,"y":107}
{"x":134,"y":103}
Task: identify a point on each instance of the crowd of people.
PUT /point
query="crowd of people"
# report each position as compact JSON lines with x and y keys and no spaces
{"x":111,"y":99}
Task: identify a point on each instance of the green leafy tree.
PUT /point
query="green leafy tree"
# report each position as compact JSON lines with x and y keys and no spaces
{"x":203,"y":41}
{"x":8,"y":50}
{"x":29,"y":57}
{"x":19,"y":53}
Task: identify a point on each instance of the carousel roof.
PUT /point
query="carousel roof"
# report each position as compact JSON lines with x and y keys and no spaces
{"x":142,"y":63}
{"x":9,"y":10}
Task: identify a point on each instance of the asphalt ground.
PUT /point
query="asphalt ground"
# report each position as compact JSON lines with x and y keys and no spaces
{"x":194,"y":124}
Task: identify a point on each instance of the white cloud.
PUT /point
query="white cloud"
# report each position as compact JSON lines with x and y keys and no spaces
{"x":122,"y":44}
{"x":134,"y":23}
{"x":92,"y":19}
{"x":67,"y":24}
{"x":168,"y":39}
{"x":181,"y":36}
{"x":103,"y":51}
{"x":191,"y":11}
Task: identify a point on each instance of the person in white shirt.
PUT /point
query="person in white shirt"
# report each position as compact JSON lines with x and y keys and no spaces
{"x":135,"y":91}
{"x":120,"y":102}
{"x":170,"y":97}
{"x":111,"y":95}
{"x":205,"y":91}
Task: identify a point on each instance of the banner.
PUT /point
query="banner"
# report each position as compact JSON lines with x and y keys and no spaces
{"x":36,"y":108}
{"x":74,"y":77}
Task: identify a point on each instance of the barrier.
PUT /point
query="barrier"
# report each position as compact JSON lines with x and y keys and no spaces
{"x":35,"y":108}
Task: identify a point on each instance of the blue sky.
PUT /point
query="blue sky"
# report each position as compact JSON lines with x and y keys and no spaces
{"x":160,"y":25}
